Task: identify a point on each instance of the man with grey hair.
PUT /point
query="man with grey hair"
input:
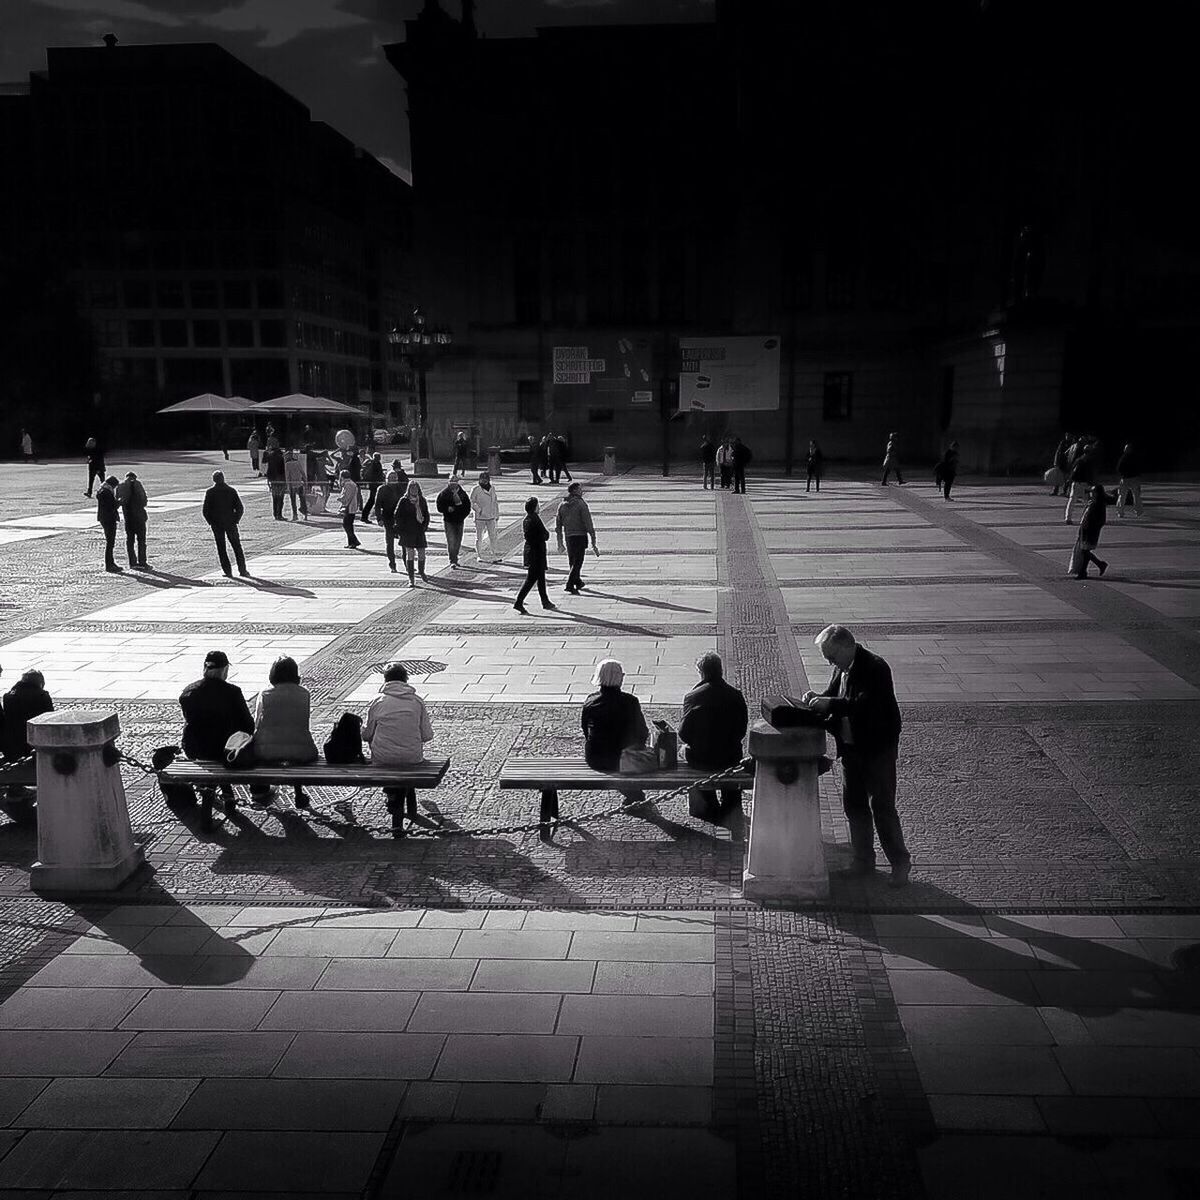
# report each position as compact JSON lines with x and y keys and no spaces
{"x":714,"y":724}
{"x":864,"y":718}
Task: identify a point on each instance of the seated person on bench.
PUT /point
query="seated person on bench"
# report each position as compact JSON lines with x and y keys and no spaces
{"x":396,"y":729}
{"x":612,"y":721}
{"x":213,"y":709}
{"x":281,"y":733}
{"x":25,"y":699}
{"x":714,"y":724}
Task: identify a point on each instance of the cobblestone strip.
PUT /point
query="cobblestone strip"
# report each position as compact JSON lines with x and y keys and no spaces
{"x":33,"y":932}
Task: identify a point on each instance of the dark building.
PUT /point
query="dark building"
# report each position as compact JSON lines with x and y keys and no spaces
{"x":214,"y":236}
{"x":958,"y":220}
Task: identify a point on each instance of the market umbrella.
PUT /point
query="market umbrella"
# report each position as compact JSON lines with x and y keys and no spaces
{"x":314,"y":405}
{"x":208,"y":403}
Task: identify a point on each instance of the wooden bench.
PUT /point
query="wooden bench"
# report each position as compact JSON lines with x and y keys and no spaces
{"x":212,"y":775}
{"x":548,"y":775}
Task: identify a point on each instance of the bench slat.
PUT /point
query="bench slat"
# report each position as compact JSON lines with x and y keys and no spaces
{"x":540,"y":774}
{"x":417,"y":775}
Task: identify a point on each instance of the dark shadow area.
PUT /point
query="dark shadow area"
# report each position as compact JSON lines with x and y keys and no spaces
{"x":280,"y":589}
{"x":164,"y":579}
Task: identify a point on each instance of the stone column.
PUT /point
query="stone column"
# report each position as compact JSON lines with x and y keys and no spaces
{"x":85,"y":843}
{"x":493,"y":461}
{"x":610,"y":460}
{"x":786,"y":859}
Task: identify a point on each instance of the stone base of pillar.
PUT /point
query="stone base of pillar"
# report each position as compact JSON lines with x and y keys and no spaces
{"x":493,"y":461}
{"x":779,"y":888}
{"x":77,"y":880}
{"x":425,"y":468}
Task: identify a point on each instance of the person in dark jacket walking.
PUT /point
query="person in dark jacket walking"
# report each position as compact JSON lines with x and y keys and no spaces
{"x":714,"y":724}
{"x":1091,"y":525}
{"x":864,"y":718}
{"x":891,"y":459}
{"x":373,"y":477}
{"x":536,"y":537}
{"x":461,"y":453}
{"x":107,"y":513}
{"x":223,"y":510}
{"x":253,"y":446}
{"x":554,"y":457}
{"x":26,"y":699}
{"x":575,"y":527}
{"x":213,"y":710}
{"x":412,"y":520}
{"x":1129,"y":480}
{"x":564,"y":454}
{"x":534,"y":455}
{"x":276,"y":466}
{"x":95,"y":464}
{"x":814,"y":464}
{"x":946,"y":470}
{"x":741,"y":459}
{"x":385,"y":509}
{"x":132,"y":498}
{"x":708,"y":460}
{"x":455,"y":506}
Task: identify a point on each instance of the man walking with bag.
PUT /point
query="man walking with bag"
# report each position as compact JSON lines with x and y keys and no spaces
{"x":223,"y":510}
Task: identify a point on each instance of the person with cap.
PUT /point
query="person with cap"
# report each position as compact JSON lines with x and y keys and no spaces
{"x":132,"y":498}
{"x":386,"y":500}
{"x":213,"y":710}
{"x":574,"y":525}
{"x":612,"y":721}
{"x":107,"y":513}
{"x":486,"y":507}
{"x":455,"y":506}
{"x":397,"y":728}
{"x":223,"y":510}
{"x":536,"y":537}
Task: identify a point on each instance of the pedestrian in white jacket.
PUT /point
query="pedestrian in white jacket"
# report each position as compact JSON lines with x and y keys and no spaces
{"x":397,"y":729}
{"x":486,"y":508}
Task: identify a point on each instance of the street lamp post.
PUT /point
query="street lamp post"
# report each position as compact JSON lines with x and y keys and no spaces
{"x":422,"y":344}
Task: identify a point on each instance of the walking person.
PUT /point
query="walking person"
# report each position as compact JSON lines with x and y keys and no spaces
{"x":1060,"y":464}
{"x":554,"y":457}
{"x":814,"y":464}
{"x":714,"y":723}
{"x":272,"y":441}
{"x":534,"y":557}
{"x":1090,"y":526}
{"x":107,"y":510}
{"x":741,"y":460}
{"x":95,"y":464}
{"x":350,"y":505}
{"x":564,"y":454}
{"x":223,"y":510}
{"x":725,"y":462}
{"x":295,"y":476}
{"x":946,"y":470}
{"x":891,"y":459}
{"x":708,"y":460}
{"x":1129,"y":480}
{"x":455,"y":505}
{"x":574,"y":525}
{"x":222,"y":432}
{"x":533,"y":459}
{"x":253,"y":445}
{"x":864,"y":718}
{"x":373,"y":477}
{"x":385,"y":510}
{"x":27,"y":446}
{"x":276,"y":480}
{"x":132,"y":498}
{"x":412,"y":520}
{"x":461,"y":451}
{"x":486,"y":507}
{"x":1081,"y":475}
{"x":543,"y":457}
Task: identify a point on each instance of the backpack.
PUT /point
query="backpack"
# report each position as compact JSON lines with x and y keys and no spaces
{"x":345,"y":743}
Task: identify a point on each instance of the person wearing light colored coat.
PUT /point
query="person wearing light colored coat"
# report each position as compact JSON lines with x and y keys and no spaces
{"x":396,"y":729}
{"x":486,"y":507}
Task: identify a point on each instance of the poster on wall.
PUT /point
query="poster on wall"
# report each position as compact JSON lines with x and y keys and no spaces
{"x":729,"y":374}
{"x":609,"y":370}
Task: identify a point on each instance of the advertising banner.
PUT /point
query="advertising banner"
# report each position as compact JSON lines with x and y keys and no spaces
{"x":609,"y":370}
{"x":729,"y":374}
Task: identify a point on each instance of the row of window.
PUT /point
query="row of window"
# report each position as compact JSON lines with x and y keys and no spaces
{"x":178,"y":333}
{"x":312,"y":298}
{"x":179,"y":293}
{"x":309,"y":336}
{"x":339,"y":381}
{"x":134,"y":252}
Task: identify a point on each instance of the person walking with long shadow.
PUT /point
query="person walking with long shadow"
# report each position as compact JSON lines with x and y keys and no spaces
{"x":574,"y":526}
{"x":536,"y":537}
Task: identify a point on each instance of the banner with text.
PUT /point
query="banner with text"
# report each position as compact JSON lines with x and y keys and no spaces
{"x":607,"y":371}
{"x":728,"y":374}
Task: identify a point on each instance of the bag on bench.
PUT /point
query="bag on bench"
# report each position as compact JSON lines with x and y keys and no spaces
{"x":239,"y":750}
{"x":637,"y":760}
{"x":345,"y":743}
{"x":174,"y":794}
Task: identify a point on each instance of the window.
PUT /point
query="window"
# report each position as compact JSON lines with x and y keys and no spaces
{"x":206,"y":333}
{"x":270,"y":293}
{"x":205,"y":293}
{"x":240,"y":333}
{"x":838,"y":396}
{"x":562,"y":279}
{"x":530,"y":406}
{"x":635,"y":252}
{"x":840,"y":278}
{"x":102,"y":295}
{"x":527,"y":280}
{"x":237,"y":293}
{"x":173,"y":333}
{"x":599,"y":279}
{"x":108,"y":331}
{"x":170,"y":293}
{"x":671,"y":277}
{"x":166,"y":256}
{"x":199,"y":253}
{"x":272,"y":333}
{"x":139,"y":333}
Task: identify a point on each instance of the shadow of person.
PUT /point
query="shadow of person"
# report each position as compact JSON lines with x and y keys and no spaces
{"x":280,"y":589}
{"x":158,"y":578}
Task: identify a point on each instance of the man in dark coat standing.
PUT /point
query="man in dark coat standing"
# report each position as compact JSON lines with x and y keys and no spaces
{"x":708,"y":457}
{"x":741,"y":459}
{"x":107,"y":513}
{"x":536,"y":537}
{"x":714,"y":724}
{"x":534,"y":454}
{"x":132,"y":498}
{"x":386,"y":500}
{"x":864,"y":718}
{"x":373,"y":477}
{"x":223,"y":510}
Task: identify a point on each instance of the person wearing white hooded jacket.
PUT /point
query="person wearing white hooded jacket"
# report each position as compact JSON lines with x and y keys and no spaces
{"x":396,"y":729}
{"x":486,"y":507}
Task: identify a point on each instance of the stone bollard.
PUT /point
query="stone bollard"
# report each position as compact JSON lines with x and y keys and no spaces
{"x":610,"y":460}
{"x":85,"y":843}
{"x":493,"y":461}
{"x":786,"y":859}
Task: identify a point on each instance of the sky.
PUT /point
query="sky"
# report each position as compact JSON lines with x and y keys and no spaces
{"x":326,"y":53}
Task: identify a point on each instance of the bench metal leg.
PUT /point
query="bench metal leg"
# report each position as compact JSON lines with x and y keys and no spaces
{"x":412,"y":802}
{"x":206,"y":810}
{"x":548,"y":813}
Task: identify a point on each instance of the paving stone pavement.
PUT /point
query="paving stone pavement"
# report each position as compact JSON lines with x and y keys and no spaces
{"x":1026,"y":1011}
